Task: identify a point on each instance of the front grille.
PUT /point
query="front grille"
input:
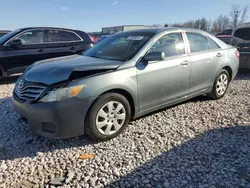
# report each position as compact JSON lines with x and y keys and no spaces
{"x":29,"y":92}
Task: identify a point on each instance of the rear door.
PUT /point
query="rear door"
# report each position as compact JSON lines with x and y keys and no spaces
{"x":16,"y":60}
{"x":63,"y":43}
{"x":206,"y":58}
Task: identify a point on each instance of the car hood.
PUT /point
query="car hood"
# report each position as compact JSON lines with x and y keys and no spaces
{"x":56,"y":70}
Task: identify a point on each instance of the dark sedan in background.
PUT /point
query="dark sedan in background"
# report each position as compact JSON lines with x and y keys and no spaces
{"x":101,"y":38}
{"x":225,"y":35}
{"x":21,"y":48}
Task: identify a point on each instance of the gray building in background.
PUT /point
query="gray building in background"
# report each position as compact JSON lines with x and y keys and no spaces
{"x":115,"y":29}
{"x":112,"y":30}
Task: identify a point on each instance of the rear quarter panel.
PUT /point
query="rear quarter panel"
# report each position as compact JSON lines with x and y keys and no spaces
{"x":231,"y":60}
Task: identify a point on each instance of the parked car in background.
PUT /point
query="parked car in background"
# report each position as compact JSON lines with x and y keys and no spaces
{"x":241,"y":40}
{"x":101,"y":38}
{"x":3,"y":32}
{"x":126,"y":76}
{"x":93,"y":38}
{"x":225,"y":35}
{"x":22,"y":47}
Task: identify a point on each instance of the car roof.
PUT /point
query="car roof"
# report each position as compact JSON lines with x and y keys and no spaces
{"x":27,"y":28}
{"x":157,"y":30}
{"x":244,"y":25}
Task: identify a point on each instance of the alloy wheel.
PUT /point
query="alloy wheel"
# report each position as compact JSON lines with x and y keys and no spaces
{"x":222,"y":84}
{"x":110,"y":118}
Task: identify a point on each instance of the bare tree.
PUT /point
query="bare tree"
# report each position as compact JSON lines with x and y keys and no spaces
{"x":197,"y":24}
{"x":220,"y":24}
{"x":157,"y":25}
{"x":209,"y":25}
{"x":189,"y":24}
{"x":204,"y":24}
{"x":225,"y":22}
{"x":177,"y":25}
{"x":238,"y":14}
{"x":244,"y":14}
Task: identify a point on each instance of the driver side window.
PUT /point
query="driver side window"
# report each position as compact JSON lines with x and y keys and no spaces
{"x":171,"y":44}
{"x":31,"y":37}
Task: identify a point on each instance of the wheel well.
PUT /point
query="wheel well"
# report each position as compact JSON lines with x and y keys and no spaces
{"x":229,"y":70}
{"x":127,"y":95}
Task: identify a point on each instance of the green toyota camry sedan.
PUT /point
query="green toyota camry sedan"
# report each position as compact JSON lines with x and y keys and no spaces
{"x":125,"y":76}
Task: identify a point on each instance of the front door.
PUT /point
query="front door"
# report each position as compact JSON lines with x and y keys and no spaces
{"x":16,"y":60}
{"x":161,"y":82}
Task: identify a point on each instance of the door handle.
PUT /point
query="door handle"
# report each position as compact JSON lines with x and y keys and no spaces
{"x":40,"y":50}
{"x":185,"y":63}
{"x":218,"y":55}
{"x":72,"y":48}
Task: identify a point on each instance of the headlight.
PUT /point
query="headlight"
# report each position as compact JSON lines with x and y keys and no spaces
{"x":62,"y":94}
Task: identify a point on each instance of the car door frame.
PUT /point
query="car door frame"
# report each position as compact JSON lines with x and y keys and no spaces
{"x":63,"y":48}
{"x":36,"y":49}
{"x":140,"y":64}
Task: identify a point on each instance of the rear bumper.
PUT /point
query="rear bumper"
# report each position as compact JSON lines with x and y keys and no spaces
{"x":244,"y":60}
{"x":62,"y":119}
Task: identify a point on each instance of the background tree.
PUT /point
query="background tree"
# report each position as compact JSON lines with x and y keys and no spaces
{"x":221,"y":23}
{"x":204,"y":24}
{"x":238,"y":14}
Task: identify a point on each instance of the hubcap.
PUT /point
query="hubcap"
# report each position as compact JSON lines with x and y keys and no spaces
{"x":110,"y":118}
{"x":221,"y":84}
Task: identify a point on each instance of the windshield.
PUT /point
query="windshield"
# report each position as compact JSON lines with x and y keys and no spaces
{"x":8,"y":36}
{"x":120,"y":47}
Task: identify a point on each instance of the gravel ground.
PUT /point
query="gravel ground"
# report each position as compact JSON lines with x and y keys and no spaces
{"x":200,"y":143}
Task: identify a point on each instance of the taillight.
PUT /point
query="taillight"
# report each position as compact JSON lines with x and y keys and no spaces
{"x":237,"y":53}
{"x":91,"y":38}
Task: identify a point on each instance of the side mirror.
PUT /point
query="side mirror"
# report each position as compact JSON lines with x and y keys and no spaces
{"x":16,"y":43}
{"x":154,"y":56}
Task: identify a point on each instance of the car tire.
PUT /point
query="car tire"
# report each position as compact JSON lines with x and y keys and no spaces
{"x":108,"y":117}
{"x":220,"y":85}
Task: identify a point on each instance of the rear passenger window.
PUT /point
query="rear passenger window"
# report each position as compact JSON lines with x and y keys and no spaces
{"x":197,"y":42}
{"x":62,"y":36}
{"x":213,"y":45}
{"x":171,"y":44}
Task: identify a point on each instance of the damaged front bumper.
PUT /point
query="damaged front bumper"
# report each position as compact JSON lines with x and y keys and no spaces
{"x":62,"y":119}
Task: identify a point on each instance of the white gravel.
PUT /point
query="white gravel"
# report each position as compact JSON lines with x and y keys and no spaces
{"x":200,"y":143}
